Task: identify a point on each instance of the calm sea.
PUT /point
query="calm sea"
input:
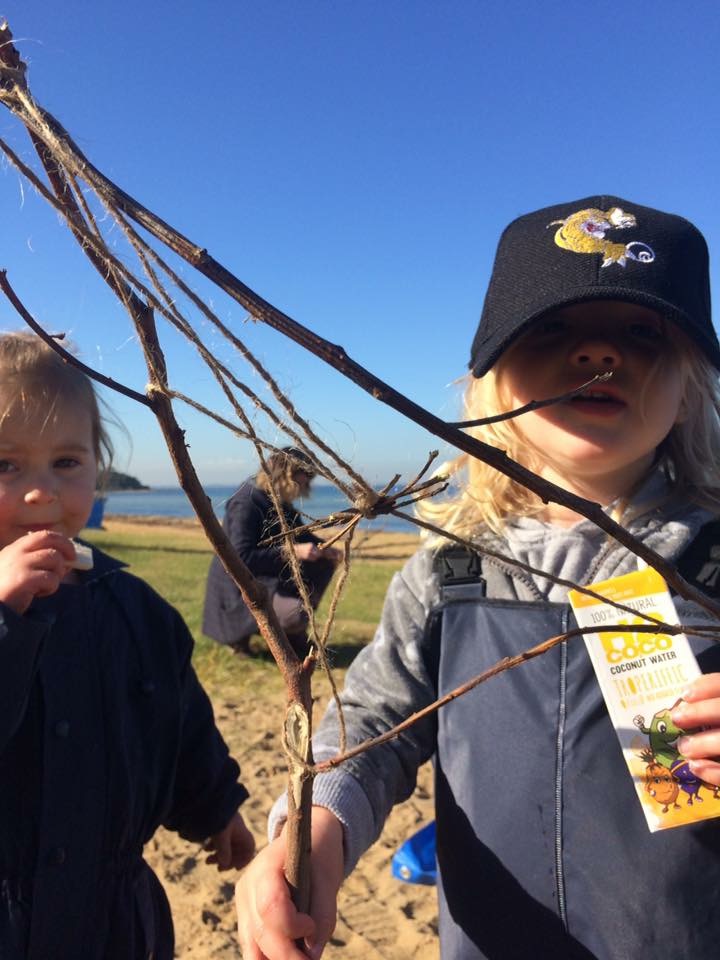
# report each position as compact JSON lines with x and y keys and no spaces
{"x":172,"y":502}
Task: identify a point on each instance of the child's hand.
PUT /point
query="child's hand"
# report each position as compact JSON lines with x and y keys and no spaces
{"x":233,"y":847}
{"x":268,"y":923}
{"x":307,"y":551}
{"x":33,"y":566}
{"x":701,"y":708}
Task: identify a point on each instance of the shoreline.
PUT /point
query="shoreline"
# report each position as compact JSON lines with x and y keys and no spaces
{"x":152,"y":520}
{"x":372,"y":544}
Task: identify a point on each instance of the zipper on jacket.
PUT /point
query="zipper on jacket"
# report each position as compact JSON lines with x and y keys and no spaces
{"x":559,"y":746}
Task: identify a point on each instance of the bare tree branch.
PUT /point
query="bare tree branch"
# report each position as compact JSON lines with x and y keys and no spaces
{"x":68,"y":172}
{"x":535,"y":404}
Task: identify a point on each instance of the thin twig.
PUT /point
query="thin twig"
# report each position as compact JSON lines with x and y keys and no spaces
{"x":534,"y":404}
{"x":507,"y":663}
{"x":52,"y":341}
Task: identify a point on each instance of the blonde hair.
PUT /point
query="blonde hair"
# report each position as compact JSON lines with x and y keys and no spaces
{"x":36,"y":381}
{"x":481,"y":497}
{"x":281,"y":466}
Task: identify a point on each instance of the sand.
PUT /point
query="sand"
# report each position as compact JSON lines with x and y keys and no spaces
{"x":379,"y":917}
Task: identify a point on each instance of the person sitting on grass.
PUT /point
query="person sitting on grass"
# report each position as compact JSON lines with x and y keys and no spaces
{"x":250,"y":521}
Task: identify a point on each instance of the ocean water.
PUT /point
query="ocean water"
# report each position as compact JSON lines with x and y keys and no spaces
{"x":172,"y":502}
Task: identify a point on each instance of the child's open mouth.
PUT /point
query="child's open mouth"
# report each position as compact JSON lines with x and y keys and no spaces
{"x":598,"y":402}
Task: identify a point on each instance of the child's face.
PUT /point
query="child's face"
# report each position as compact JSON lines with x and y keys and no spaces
{"x":600,"y":444}
{"x":47,"y":473}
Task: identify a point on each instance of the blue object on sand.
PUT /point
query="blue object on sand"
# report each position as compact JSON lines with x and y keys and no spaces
{"x":96,"y":514}
{"x":414,"y":861}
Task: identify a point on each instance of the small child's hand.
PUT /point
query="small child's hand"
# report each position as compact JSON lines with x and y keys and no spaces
{"x":269,"y":925}
{"x":700,"y":710}
{"x":33,"y":566}
{"x":307,"y":551}
{"x":233,"y":847}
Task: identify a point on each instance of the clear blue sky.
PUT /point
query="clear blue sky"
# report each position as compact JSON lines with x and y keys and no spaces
{"x":353,"y":162}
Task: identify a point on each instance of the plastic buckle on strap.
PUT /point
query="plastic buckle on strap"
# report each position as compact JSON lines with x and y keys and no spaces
{"x":458,"y":565}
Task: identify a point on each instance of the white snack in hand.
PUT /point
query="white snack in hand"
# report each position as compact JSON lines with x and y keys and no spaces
{"x":83,"y":556}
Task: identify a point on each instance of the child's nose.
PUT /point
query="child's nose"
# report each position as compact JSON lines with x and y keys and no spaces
{"x":593,"y":352}
{"x":40,"y":492}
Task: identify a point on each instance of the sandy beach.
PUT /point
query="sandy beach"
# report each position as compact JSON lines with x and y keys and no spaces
{"x":379,"y":917}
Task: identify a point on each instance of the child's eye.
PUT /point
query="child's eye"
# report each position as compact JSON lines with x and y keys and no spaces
{"x":646,"y":331}
{"x":550,"y":326}
{"x":66,"y":463}
{"x":6,"y":466}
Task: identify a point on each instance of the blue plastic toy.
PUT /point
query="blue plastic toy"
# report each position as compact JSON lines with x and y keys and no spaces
{"x":96,"y":514}
{"x":414,"y":861}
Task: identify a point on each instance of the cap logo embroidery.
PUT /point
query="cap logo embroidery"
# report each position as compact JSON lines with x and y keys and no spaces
{"x":584,"y":232}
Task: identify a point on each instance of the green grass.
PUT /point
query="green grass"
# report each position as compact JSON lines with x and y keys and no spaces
{"x":175,"y":563}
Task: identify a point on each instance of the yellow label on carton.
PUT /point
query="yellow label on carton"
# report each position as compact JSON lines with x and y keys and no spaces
{"x":642,"y":676}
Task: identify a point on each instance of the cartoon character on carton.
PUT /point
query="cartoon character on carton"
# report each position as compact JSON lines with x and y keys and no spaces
{"x":663,"y":734}
{"x":661,"y":785}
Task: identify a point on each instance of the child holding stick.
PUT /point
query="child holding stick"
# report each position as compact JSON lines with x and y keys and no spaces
{"x":542,"y":846}
{"x":105,"y":731}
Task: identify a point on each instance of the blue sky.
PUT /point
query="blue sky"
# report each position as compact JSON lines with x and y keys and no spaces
{"x":353,"y":162}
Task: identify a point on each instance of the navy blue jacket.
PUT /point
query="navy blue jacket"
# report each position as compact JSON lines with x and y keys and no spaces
{"x":250,"y":518}
{"x":105,"y":734}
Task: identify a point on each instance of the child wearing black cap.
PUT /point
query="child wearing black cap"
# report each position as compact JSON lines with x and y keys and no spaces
{"x":542,"y":846}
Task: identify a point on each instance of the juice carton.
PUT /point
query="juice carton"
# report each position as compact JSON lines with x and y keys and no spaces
{"x":642,"y":676}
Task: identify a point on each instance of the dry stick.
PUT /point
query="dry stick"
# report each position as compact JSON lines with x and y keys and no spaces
{"x":337,"y":358}
{"x":327,"y":626}
{"x":384,"y":504}
{"x":320,"y":641}
{"x":52,"y":341}
{"x":297,"y":732}
{"x":58,"y":140}
{"x":534,"y":404}
{"x":507,"y":663}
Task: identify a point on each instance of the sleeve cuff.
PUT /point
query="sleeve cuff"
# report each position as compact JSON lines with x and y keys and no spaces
{"x":340,"y":793}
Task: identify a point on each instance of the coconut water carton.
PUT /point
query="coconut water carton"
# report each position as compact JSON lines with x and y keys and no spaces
{"x":642,"y":677}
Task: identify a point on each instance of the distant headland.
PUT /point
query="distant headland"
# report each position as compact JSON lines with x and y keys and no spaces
{"x":114,"y":480}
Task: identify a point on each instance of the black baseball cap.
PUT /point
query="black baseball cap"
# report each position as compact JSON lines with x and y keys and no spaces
{"x":599,"y":248}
